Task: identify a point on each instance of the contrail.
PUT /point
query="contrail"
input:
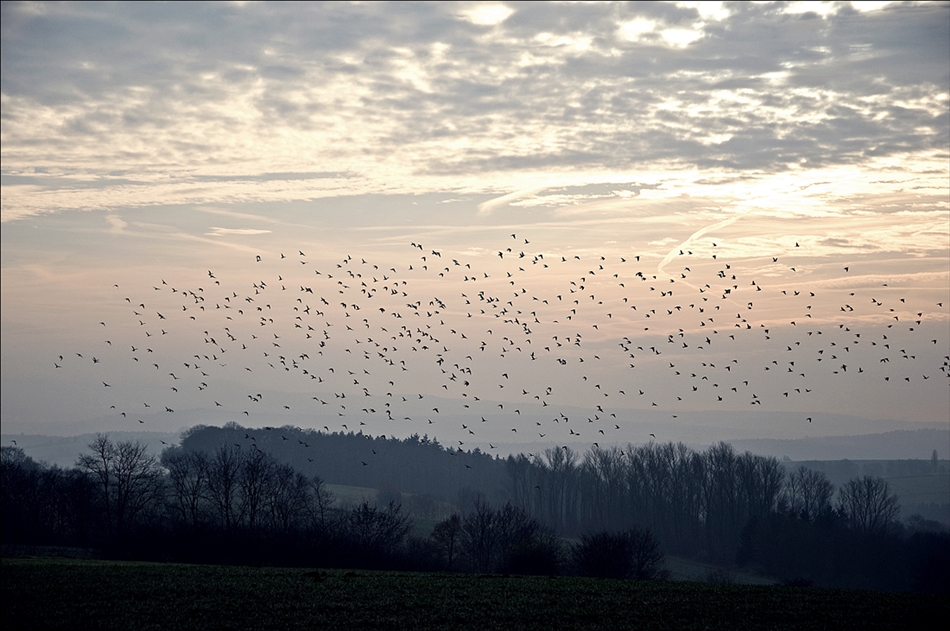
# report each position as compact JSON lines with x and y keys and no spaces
{"x":685,"y":244}
{"x":486,"y":207}
{"x":702,"y":231}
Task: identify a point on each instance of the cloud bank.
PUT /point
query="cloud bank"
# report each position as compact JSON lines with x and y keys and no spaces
{"x":123,"y":105}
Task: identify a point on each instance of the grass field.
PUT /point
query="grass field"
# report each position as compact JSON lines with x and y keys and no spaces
{"x":76,"y":594}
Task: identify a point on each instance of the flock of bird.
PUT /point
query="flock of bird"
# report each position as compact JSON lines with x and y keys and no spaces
{"x":548,"y":347}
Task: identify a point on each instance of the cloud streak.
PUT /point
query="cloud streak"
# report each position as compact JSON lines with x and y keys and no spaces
{"x":218,"y":232}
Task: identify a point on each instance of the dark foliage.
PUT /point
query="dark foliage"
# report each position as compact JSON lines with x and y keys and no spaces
{"x":693,"y":502}
{"x":542,"y":555}
{"x":929,"y":554}
{"x":417,"y":464}
{"x":827,"y":552}
{"x":633,"y":553}
{"x":236,"y":496}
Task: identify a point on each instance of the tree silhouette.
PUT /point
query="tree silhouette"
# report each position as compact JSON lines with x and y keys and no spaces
{"x":128,"y":479}
{"x":633,"y":553}
{"x":223,"y":485}
{"x":447,"y":537}
{"x":479,"y":536}
{"x":869,"y":505}
{"x":320,"y":506}
{"x":807,"y":492}
{"x":187,"y":483}
{"x":376,"y":533}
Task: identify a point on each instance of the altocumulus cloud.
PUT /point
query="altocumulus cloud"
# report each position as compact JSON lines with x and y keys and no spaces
{"x":199,"y":104}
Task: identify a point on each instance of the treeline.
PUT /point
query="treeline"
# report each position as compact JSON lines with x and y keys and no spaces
{"x":841,"y":471}
{"x":698,"y":502}
{"x":726,"y":507}
{"x":418,"y":464}
{"x":236,"y":495}
{"x":233,"y":505}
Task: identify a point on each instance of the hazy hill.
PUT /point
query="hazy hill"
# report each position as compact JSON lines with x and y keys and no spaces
{"x":417,"y":465}
{"x":64,"y":450}
{"x":891,"y":445}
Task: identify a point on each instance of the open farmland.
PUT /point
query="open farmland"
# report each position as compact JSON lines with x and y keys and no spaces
{"x":70,"y":594}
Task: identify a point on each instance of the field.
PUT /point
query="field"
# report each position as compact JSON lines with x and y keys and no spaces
{"x":73,"y":594}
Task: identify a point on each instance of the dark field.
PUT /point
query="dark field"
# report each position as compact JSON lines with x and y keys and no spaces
{"x":73,"y":594}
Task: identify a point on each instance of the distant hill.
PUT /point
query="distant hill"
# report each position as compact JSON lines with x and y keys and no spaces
{"x":893,"y":445}
{"x":922,"y":486}
{"x":64,"y":450}
{"x":433,"y":473}
{"x":417,"y":465}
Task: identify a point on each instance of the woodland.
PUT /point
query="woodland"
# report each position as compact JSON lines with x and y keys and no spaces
{"x":264,"y":496}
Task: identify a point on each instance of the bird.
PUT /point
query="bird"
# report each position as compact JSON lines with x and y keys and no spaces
{"x":535,"y":324}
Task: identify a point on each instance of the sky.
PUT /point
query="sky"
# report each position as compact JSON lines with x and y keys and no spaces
{"x":490,"y":223}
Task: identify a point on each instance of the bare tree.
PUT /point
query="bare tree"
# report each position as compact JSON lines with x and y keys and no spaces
{"x":319,"y":504}
{"x":558,"y":486}
{"x":376,"y":532}
{"x":808,"y":492}
{"x":447,"y":536}
{"x":634,"y":553}
{"x":224,"y":473}
{"x":603,"y":486}
{"x":287,"y":498}
{"x":128,"y":478}
{"x":19,"y":494}
{"x":188,"y":482}
{"x":255,"y":480}
{"x":760,"y":484}
{"x":869,"y":505}
{"x":516,"y":533}
{"x":721,"y":503}
{"x":479,"y":536}
{"x":519,"y":483}
{"x":645,"y":556}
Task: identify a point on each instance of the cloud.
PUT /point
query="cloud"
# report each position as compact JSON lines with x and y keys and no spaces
{"x":118,"y":225}
{"x":219,"y":232}
{"x":728,"y":221}
{"x":208,"y":103}
{"x":487,"y":207}
{"x":486,"y":14}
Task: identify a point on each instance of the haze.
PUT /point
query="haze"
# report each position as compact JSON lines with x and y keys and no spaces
{"x":523,"y":213}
